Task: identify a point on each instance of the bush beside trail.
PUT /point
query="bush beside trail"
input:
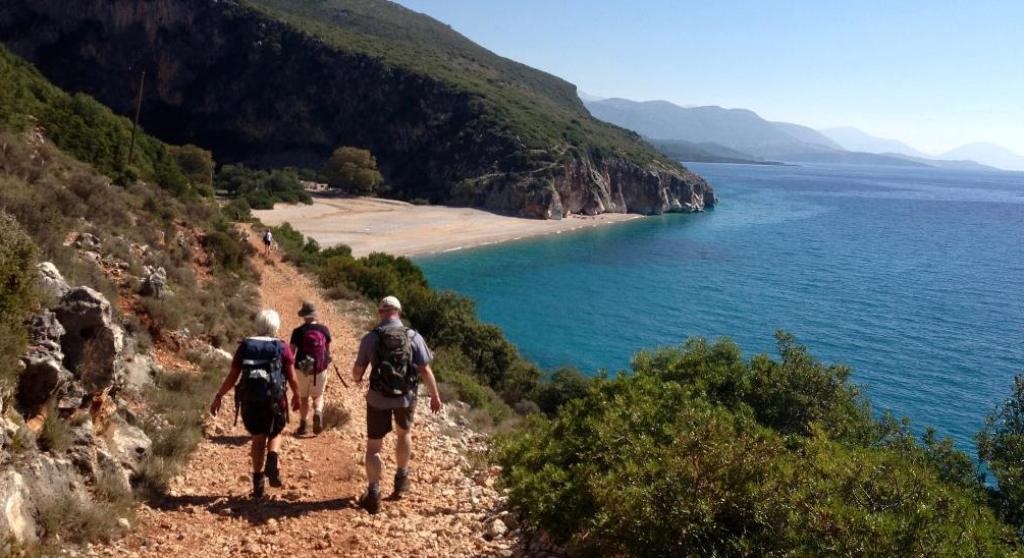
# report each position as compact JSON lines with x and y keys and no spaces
{"x":701,"y":453}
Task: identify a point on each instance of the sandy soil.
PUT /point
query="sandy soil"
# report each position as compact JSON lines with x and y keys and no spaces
{"x":376,"y":225}
{"x":450,"y":510}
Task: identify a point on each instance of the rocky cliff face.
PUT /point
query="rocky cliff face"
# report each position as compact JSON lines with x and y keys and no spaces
{"x":253,"y":89}
{"x":72,"y":371}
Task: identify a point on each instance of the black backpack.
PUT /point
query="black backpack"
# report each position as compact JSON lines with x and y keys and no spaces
{"x":394,"y":373}
{"x":261,"y":383}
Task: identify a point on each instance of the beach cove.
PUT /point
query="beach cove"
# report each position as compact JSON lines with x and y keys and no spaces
{"x":378,"y":225}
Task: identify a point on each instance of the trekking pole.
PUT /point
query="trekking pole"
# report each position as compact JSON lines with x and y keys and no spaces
{"x":338,"y":372}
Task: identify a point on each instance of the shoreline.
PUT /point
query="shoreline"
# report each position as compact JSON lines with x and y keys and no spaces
{"x":403,"y":229}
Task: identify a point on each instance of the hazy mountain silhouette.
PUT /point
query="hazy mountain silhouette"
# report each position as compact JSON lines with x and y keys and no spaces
{"x":987,"y":154}
{"x":852,"y":139}
{"x":739,"y":129}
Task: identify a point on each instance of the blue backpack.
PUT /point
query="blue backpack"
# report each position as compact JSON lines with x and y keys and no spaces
{"x":261,"y":383}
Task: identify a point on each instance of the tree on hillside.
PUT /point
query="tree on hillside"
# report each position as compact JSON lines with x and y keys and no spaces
{"x":195,"y":162}
{"x":353,"y":170}
{"x":1001,"y":448}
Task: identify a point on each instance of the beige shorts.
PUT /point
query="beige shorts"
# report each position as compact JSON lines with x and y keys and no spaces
{"x":308,"y":387}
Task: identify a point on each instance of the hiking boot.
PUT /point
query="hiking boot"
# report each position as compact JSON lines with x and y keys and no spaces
{"x":370,"y":502}
{"x":258,"y":489}
{"x":302,"y":429}
{"x":401,"y":486}
{"x":272,"y":471}
{"x":318,"y":424}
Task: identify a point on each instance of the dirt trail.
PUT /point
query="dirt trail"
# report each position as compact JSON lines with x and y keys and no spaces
{"x":209,"y":514}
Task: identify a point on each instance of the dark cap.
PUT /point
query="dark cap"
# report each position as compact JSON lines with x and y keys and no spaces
{"x":307,"y":310}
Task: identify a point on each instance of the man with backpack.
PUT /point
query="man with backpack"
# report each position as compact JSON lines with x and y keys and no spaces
{"x":261,"y":373}
{"x":400,"y":358}
{"x":311,"y":343}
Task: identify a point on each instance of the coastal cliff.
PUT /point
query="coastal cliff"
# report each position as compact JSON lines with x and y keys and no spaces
{"x":270,"y":83}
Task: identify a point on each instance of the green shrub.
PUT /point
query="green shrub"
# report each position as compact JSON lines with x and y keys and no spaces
{"x":17,"y":293}
{"x":792,"y":395}
{"x":562,"y":386}
{"x":261,"y":189}
{"x":454,"y":369}
{"x":165,"y":314}
{"x":177,"y":411}
{"x":227,"y":250}
{"x":65,"y":517}
{"x":1001,"y":448}
{"x":237,"y":210}
{"x":196,"y":164}
{"x":55,"y":436}
{"x":680,"y":459}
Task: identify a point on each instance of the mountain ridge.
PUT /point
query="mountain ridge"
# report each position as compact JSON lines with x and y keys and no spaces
{"x":283,"y":82}
{"x":744,"y":131}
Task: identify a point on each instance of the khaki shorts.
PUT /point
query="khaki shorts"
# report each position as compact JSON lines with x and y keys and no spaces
{"x":378,"y":421}
{"x":310,"y":385}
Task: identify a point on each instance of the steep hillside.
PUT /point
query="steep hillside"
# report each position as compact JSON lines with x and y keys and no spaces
{"x":109,"y":286}
{"x":286,"y":81}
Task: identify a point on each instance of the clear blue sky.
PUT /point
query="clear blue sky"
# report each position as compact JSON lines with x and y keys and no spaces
{"x":933,"y":73}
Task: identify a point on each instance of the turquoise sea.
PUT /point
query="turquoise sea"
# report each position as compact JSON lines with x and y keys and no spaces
{"x":914,"y":277}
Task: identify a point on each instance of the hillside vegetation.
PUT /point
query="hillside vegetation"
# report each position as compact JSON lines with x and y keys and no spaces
{"x":87,"y":130}
{"x":699,"y":452}
{"x":70,"y":197}
{"x":274,"y":83}
{"x":539,"y":109}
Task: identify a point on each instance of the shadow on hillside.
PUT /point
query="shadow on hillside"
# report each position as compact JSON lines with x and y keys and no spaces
{"x":253,"y":511}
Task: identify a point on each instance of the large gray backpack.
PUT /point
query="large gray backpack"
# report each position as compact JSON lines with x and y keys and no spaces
{"x":394,"y":373}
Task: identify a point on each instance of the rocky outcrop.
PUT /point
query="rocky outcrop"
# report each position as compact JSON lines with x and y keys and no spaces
{"x":253,"y":89}
{"x":74,"y":361}
{"x":589,"y":186}
{"x":92,"y":344}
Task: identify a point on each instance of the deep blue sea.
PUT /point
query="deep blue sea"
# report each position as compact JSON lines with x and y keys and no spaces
{"x":914,"y":277}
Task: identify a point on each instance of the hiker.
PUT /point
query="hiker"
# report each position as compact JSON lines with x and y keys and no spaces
{"x":400,"y":358}
{"x":268,"y":239}
{"x":311,"y":344}
{"x":259,"y":372}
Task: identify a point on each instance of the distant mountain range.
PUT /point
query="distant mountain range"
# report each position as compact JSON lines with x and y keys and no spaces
{"x":852,"y":139}
{"x":987,"y":154}
{"x":716,"y":134}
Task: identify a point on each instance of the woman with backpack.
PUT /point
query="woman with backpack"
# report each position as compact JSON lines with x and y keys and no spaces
{"x":311,"y":344}
{"x":261,"y":372}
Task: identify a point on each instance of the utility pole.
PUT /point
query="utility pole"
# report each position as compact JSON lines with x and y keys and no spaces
{"x":138,"y":110}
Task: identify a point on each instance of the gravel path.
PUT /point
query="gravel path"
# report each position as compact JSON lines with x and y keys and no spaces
{"x":451,"y":511}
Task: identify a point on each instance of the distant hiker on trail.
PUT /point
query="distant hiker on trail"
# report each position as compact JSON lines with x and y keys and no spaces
{"x":261,"y":368}
{"x":311,"y":343}
{"x":400,"y":357}
{"x":268,"y":239}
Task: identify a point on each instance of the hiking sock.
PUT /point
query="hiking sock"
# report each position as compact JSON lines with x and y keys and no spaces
{"x":373,"y":488}
{"x":273,"y":473}
{"x":257,"y":485}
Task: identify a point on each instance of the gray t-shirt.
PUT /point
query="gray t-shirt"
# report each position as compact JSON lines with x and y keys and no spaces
{"x":421,"y":356}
